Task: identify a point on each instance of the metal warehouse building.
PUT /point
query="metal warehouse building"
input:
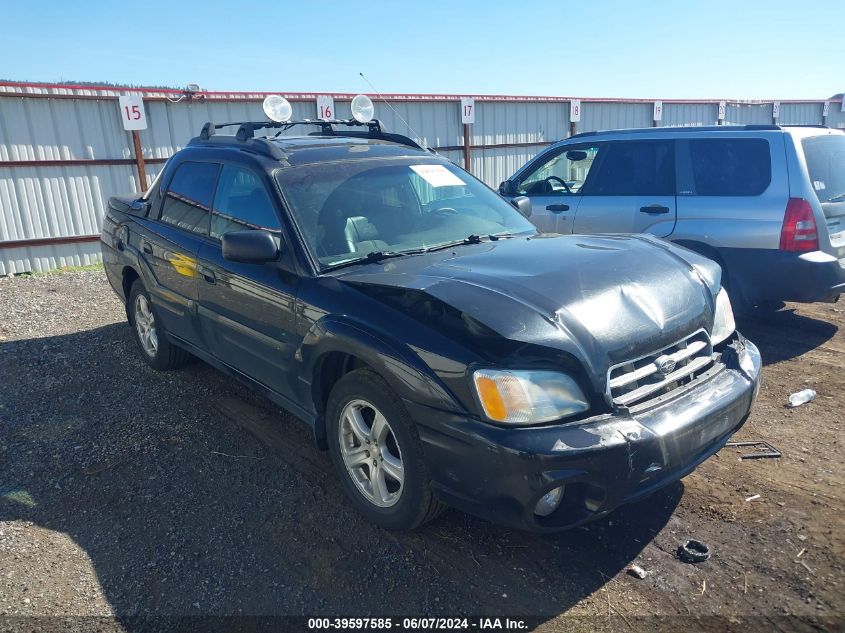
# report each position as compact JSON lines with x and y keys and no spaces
{"x":63,"y":149}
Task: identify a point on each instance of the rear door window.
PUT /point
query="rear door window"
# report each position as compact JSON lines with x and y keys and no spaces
{"x":187,"y":201}
{"x":635,"y":168}
{"x":241,"y":204}
{"x":730,"y":166}
{"x":826,"y":165}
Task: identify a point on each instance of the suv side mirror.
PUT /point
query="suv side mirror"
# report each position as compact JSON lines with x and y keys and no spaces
{"x":250,"y":247}
{"x":507,"y":188}
{"x":523,"y":205}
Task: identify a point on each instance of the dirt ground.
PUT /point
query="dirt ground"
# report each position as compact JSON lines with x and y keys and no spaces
{"x":125,"y":492}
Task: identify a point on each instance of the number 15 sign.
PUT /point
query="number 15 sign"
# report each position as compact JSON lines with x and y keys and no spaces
{"x":132,"y":112}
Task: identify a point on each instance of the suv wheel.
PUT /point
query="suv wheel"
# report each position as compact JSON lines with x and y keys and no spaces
{"x":156,"y":350}
{"x":376,"y":452}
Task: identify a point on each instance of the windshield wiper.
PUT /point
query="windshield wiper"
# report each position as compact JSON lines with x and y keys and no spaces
{"x":837,"y":198}
{"x":372,"y":257}
{"x":471,"y":239}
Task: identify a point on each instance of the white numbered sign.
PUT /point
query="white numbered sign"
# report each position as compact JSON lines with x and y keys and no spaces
{"x":826,"y":108}
{"x":776,"y":110}
{"x":723,"y":108}
{"x":575,"y":110}
{"x":467,"y":110}
{"x":658,"y":110}
{"x":325,"y":108}
{"x":132,"y":112}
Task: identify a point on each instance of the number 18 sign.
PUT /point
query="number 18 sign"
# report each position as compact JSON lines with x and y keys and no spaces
{"x":132,"y":112}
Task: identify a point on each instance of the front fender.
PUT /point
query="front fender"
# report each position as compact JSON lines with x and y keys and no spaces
{"x":393,"y":360}
{"x":708,"y":270}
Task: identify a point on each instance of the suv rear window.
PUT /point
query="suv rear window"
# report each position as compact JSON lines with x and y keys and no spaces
{"x":730,"y":166}
{"x":187,"y":200}
{"x":826,"y":165}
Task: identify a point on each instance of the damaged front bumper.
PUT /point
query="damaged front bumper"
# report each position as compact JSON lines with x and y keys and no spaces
{"x":602,"y":462}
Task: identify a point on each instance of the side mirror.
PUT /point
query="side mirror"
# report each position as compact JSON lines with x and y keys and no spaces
{"x":507,"y":188}
{"x":250,"y":247}
{"x":140,"y":207}
{"x":523,"y":205}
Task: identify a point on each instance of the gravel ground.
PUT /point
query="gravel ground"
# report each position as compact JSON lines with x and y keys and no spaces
{"x":126,"y":492}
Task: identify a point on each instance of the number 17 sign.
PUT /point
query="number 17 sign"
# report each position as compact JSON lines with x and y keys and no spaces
{"x":467,"y":110}
{"x":132,"y":112}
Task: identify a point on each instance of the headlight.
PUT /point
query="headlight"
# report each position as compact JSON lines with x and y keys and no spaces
{"x":723,"y":323}
{"x":527,"y":397}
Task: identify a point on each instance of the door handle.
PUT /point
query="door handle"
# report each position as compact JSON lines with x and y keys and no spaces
{"x":654,"y":208}
{"x":147,"y":248}
{"x":557,"y":208}
{"x":207,"y":274}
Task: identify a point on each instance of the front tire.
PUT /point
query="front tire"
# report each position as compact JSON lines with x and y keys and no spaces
{"x":377,"y":454}
{"x":158,"y":352}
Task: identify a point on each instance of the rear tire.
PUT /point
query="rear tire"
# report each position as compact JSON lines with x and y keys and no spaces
{"x":151,"y":337}
{"x":377,"y":454}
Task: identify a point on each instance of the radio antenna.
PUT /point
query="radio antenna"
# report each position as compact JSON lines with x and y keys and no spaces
{"x":395,"y":111}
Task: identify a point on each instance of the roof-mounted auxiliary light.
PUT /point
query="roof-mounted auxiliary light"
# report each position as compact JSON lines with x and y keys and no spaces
{"x":277,"y":108}
{"x":362,"y":109}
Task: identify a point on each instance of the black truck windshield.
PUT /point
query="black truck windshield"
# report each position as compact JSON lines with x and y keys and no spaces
{"x":348,"y":210}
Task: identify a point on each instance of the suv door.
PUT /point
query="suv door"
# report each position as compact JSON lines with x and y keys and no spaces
{"x":554,"y":181}
{"x":631,"y":190}
{"x":246,"y":311}
{"x":169,"y":244}
{"x":733,"y":189}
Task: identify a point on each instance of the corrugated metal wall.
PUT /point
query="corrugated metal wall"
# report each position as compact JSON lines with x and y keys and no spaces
{"x":609,"y":116}
{"x":680,"y":114}
{"x":67,"y":200}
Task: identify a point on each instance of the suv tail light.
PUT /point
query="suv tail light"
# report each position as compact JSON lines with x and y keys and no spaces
{"x":799,"y":227}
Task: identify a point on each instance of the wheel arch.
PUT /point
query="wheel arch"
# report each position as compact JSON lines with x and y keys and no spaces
{"x":128,"y":277}
{"x":334,"y":347}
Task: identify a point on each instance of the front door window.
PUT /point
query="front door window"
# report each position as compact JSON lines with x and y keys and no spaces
{"x":563,"y":173}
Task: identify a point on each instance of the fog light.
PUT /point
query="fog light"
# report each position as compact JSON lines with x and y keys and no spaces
{"x":549,"y":502}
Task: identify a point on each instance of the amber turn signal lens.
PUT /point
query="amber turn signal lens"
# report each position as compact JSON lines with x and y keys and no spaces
{"x":491,"y":399}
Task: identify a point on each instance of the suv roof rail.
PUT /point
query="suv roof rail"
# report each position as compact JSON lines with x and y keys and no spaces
{"x":685,"y":128}
{"x":245,"y":135}
{"x":819,"y":125}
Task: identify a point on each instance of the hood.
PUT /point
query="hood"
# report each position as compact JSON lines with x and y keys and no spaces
{"x":603,"y":299}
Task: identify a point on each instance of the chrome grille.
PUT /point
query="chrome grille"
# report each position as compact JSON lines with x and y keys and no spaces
{"x":661,"y":372}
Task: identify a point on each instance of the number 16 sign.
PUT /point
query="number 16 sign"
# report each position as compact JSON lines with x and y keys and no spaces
{"x":132,"y":112}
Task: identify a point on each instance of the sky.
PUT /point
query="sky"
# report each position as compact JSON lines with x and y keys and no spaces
{"x":686,"y":49}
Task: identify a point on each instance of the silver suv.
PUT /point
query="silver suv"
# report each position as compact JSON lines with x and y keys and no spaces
{"x":765,"y":202}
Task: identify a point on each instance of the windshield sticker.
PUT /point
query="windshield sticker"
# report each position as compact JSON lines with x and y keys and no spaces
{"x":437,"y":175}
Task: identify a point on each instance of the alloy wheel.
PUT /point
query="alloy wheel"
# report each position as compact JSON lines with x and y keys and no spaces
{"x":145,"y":326}
{"x":371,"y":454}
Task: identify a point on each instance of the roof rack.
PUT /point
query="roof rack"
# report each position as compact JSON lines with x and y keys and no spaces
{"x":246,"y":130}
{"x":687,"y":128}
